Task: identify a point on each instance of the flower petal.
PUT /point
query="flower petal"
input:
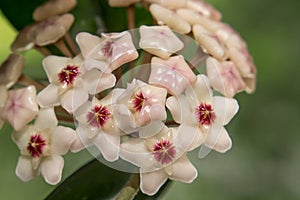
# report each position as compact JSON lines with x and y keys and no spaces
{"x":224,"y":77}
{"x":166,"y":16}
{"x":175,"y":108}
{"x":21,"y":107}
{"x":95,"y":81}
{"x":218,"y":139}
{"x":46,"y":119}
{"x":136,"y":152}
{"x":189,"y":137}
{"x":72,"y":99}
{"x":51,"y":169}
{"x":123,"y":118}
{"x":174,"y":74}
{"x":159,"y":41}
{"x":61,"y":140}
{"x":225,"y":109}
{"x":150,"y":129}
{"x":87,"y":42}
{"x":24,"y":169}
{"x":109,"y":145}
{"x":48,"y":97}
{"x":183,"y":170}
{"x":200,"y":91}
{"x":77,"y":145}
{"x":152,"y":181}
{"x":209,"y":42}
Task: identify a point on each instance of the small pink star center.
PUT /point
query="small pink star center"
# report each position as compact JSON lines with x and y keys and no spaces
{"x":107,"y":49}
{"x":138,"y":101}
{"x":36,"y":145}
{"x":68,"y":74}
{"x":98,"y":116}
{"x":205,"y":114}
{"x":164,"y":151}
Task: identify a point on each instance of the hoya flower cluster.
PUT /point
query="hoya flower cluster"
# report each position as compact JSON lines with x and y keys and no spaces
{"x":132,"y":94}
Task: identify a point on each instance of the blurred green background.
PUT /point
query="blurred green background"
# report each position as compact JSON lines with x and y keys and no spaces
{"x":264,"y":162}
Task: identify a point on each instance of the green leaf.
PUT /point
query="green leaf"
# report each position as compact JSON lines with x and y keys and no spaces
{"x":93,"y":181}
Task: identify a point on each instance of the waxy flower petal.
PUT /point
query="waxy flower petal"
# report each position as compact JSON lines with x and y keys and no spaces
{"x":52,"y":29}
{"x":51,"y":169}
{"x":21,"y":107}
{"x":11,"y":70}
{"x":204,"y":9}
{"x":209,"y":42}
{"x":159,"y":41}
{"x":174,"y":74}
{"x":108,"y":52}
{"x":224,"y":77}
{"x":166,"y":16}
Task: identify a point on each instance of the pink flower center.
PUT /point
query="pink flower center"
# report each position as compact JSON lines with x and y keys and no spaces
{"x":164,"y":151}
{"x":35,"y":145}
{"x":98,"y":116}
{"x":138,"y":101}
{"x":107,"y":49}
{"x":68,"y":74}
{"x":205,"y":114}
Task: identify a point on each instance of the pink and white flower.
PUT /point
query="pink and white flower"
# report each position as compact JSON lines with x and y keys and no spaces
{"x":159,"y":158}
{"x":42,"y":146}
{"x":20,"y":107}
{"x":140,"y":107}
{"x":203,"y":115}
{"x":159,"y":41}
{"x":97,"y":126}
{"x":224,"y":77}
{"x":70,"y":83}
{"x":108,"y":52}
{"x":174,"y":74}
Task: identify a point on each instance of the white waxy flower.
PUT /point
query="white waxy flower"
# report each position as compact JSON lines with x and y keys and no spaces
{"x":70,"y":83}
{"x":97,"y":126}
{"x":174,"y":74}
{"x":108,"y":52}
{"x":198,"y":111}
{"x":224,"y":77}
{"x":42,"y":146}
{"x":141,"y":106}
{"x":159,"y":41}
{"x":20,"y":107}
{"x":159,"y":158}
